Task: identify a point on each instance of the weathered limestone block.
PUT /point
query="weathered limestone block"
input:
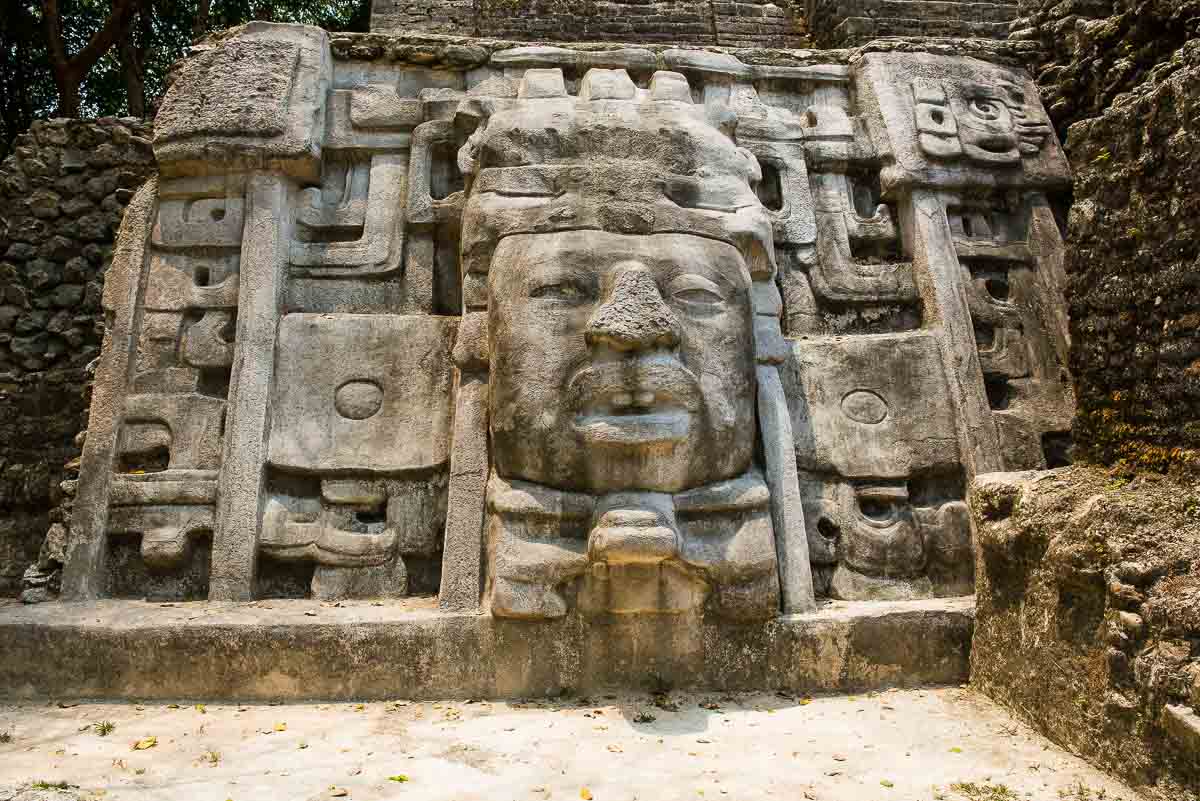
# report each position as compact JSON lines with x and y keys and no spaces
{"x":362,"y":392}
{"x":256,"y":101}
{"x":557,"y":332}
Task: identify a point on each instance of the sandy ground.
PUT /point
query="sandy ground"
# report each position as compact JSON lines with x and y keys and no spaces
{"x":899,"y":745}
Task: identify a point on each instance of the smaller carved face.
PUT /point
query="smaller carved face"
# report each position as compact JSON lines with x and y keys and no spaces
{"x":988,"y":122}
{"x":620,"y":361}
{"x":985,"y":121}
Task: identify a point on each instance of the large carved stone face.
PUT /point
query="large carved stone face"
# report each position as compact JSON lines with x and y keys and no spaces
{"x":620,"y":361}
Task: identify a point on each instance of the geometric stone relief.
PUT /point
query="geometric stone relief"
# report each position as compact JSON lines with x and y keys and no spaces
{"x":609,"y":334}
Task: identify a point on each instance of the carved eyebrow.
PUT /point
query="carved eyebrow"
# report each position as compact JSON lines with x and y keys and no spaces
{"x":527,"y":181}
{"x":691,"y":282}
{"x":690,"y":193}
{"x":982,"y":91}
{"x":547,"y":269}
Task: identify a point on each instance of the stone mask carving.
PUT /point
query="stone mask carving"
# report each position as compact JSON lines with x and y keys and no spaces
{"x":515,"y":333}
{"x":624,"y":234}
{"x":620,"y":362}
{"x":985,"y":121}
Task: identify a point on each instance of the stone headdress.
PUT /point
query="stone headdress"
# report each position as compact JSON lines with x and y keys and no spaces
{"x":613,"y":158}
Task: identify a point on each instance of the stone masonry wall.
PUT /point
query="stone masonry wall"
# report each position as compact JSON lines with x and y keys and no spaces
{"x":62,"y":193}
{"x":1121,"y":81}
{"x":735,"y":23}
{"x":727,"y":23}
{"x":844,"y":23}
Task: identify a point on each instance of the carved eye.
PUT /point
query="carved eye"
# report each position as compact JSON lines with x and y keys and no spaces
{"x":880,"y":509}
{"x":567,"y":292}
{"x":984,"y":108}
{"x":697,"y":292}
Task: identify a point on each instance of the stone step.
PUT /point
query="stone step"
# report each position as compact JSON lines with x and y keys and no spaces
{"x":294,"y":650}
{"x":857,"y":30}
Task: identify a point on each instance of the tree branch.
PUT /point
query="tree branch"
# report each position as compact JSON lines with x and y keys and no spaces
{"x":114,"y":27}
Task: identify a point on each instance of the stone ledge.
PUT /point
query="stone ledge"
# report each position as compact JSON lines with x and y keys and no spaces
{"x":138,"y":650}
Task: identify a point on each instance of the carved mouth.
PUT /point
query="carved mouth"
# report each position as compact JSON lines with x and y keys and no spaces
{"x":996,"y":143}
{"x":636,"y":403}
{"x":634,"y":428}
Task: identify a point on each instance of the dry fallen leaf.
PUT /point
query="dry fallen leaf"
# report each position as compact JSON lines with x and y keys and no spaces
{"x":338,"y":792}
{"x":585,"y":794}
{"x":144,"y":743}
{"x":280,"y":727}
{"x":399,"y":777}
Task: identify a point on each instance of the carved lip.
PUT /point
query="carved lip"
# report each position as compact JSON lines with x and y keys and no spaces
{"x":633,"y":387}
{"x":657,"y":427}
{"x":998,"y":143}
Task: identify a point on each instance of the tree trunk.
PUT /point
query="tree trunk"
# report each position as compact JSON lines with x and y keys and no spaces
{"x":68,"y":84}
{"x":69,"y":71}
{"x":200,"y":23}
{"x":131,"y":74}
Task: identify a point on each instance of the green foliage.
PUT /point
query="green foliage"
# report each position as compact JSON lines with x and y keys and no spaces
{"x":160,"y":34}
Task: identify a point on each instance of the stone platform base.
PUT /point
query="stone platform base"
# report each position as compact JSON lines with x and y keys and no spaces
{"x":294,"y":650}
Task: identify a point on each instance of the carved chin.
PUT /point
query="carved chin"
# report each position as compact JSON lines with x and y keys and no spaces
{"x":666,"y":427}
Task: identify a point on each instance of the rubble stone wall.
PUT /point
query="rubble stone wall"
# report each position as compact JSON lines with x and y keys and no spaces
{"x":1120,"y":81}
{"x":62,"y":194}
{"x":1088,"y":617}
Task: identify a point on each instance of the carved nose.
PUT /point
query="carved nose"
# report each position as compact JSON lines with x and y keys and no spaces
{"x":634,"y":315}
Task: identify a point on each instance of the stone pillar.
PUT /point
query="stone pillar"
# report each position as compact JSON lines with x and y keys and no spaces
{"x":462,"y":554}
{"x":264,"y":262}
{"x":84,"y":573}
{"x":938,"y":276}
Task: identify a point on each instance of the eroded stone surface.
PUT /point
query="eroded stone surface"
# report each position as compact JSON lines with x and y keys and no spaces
{"x":306,"y":649}
{"x":1089,"y":611}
